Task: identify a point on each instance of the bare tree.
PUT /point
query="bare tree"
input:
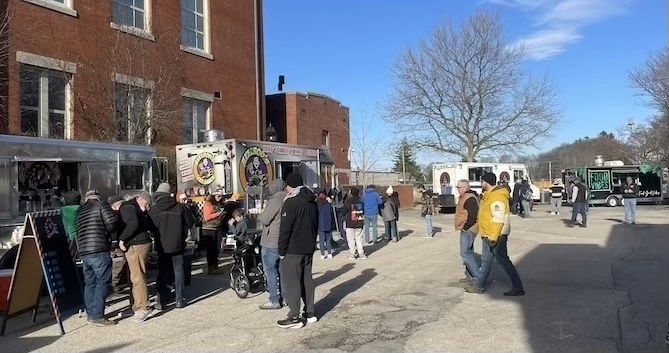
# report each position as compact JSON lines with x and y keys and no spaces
{"x":5,"y":16}
{"x":652,"y":80}
{"x":367,"y":148}
{"x":463,"y":93}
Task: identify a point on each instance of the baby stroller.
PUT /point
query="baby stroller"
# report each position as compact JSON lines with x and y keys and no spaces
{"x":247,"y":274}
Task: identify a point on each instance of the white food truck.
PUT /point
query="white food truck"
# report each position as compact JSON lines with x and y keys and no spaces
{"x":445,"y":177}
{"x":35,"y":172}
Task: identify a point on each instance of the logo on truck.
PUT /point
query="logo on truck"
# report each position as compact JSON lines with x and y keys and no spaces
{"x":203,"y":168}
{"x":255,"y":168}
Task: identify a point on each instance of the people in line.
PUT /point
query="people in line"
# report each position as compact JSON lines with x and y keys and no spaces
{"x":69,"y":212}
{"x":466,"y":213}
{"x":390,"y":213}
{"x":270,"y":219}
{"x":172,"y":221}
{"x":95,"y":223}
{"x":354,"y":221}
{"x":427,"y":211}
{"x":372,"y":203}
{"x":526,"y":198}
{"x":630,"y":194}
{"x":326,"y":224}
{"x":213,"y":215}
{"x":579,"y":201}
{"x":516,"y":206}
{"x":494,"y":228}
{"x":556,"y":196}
{"x":135,"y":241}
{"x":297,"y":243}
{"x":120,"y":270}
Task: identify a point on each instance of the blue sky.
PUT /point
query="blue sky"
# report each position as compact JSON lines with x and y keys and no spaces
{"x":345,"y":49}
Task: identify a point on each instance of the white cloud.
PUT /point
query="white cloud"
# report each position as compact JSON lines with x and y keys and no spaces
{"x":559,"y":23}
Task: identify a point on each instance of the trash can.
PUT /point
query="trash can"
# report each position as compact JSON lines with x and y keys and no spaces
{"x":188,"y":261}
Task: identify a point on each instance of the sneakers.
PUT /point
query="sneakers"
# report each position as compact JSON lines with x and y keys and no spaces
{"x":310,"y":318}
{"x":427,"y":236}
{"x":291,"y":322}
{"x":515,"y":292}
{"x":363,"y":257}
{"x":329,"y":256}
{"x":466,"y":281}
{"x":322,"y":257}
{"x":474,"y":289}
{"x":352,"y":257}
{"x":181,"y":304}
{"x":143,"y":315}
{"x":270,"y":306}
{"x":102,"y":322}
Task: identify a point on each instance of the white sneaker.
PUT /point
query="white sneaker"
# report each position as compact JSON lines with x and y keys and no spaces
{"x":363,"y":257}
{"x":322,"y":257}
{"x":329,"y":256}
{"x":352,"y":257}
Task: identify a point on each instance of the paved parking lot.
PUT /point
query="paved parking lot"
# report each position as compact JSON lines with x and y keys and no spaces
{"x":601,"y":289}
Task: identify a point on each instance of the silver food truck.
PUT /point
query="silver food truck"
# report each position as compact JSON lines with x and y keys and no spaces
{"x":234,"y":165}
{"x":34,"y":173}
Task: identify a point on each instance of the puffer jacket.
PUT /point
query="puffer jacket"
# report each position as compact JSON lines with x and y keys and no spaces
{"x":96,"y":224}
{"x":493,"y":218}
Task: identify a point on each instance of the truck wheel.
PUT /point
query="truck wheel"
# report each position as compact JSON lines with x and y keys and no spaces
{"x":612,"y":201}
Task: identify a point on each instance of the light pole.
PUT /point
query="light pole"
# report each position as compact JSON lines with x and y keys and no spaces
{"x":404,"y":167}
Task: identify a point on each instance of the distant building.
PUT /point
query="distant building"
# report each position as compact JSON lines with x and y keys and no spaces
{"x":314,"y":120}
{"x":141,"y":71}
{"x":357,"y":177}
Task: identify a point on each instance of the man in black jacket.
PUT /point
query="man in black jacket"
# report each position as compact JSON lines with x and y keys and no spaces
{"x":297,"y":243}
{"x":172,"y":221}
{"x":135,"y":241}
{"x":95,"y":224}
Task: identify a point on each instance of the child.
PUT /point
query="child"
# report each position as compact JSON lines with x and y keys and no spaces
{"x":237,"y":224}
{"x":325,"y":225}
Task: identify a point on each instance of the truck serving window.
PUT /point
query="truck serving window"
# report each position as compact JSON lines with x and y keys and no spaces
{"x":132,"y":177}
{"x":475,"y":174}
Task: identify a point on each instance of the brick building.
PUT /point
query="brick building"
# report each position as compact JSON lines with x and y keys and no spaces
{"x":315,"y":120}
{"x":136,"y":71}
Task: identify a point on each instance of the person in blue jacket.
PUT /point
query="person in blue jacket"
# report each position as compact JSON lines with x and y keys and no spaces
{"x":326,"y":224}
{"x":372,"y":202}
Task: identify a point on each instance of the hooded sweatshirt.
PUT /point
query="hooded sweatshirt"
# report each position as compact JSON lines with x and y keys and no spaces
{"x":172,"y":221}
{"x":299,"y":223}
{"x":372,"y":201}
{"x":270,"y":217}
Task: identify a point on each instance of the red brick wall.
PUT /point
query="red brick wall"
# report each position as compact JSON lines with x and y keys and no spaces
{"x":88,"y":39}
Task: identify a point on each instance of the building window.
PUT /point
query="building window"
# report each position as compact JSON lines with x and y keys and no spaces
{"x":44,"y":102}
{"x":130,"y":13}
{"x":132,"y":113}
{"x":325,"y":138}
{"x":196,"y":120}
{"x":62,"y":6}
{"x":132,"y":177}
{"x":476,"y":173}
{"x":194,"y":26}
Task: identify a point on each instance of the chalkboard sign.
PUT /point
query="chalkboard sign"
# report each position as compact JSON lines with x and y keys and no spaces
{"x":44,"y":257}
{"x":599,"y":180}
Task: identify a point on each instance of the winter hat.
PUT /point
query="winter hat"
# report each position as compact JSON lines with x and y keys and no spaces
{"x":114,"y":199}
{"x":389,"y":190}
{"x":144,"y":195}
{"x":557,"y":181}
{"x":489,"y":178}
{"x":163,"y":187}
{"x":294,"y":180}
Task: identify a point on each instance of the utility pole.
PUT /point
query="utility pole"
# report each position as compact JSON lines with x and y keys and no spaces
{"x":550,"y":171}
{"x":404,"y":167}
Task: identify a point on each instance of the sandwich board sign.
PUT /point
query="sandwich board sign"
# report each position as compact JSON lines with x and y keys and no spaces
{"x":44,"y":257}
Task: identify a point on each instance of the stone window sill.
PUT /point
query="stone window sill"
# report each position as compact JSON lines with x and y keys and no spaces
{"x":55,"y":7}
{"x":134,"y":31}
{"x":197,"y":52}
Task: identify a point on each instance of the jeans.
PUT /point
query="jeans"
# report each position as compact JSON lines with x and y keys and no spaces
{"x":137,"y":255}
{"x":170,"y":270}
{"x":270,"y":264}
{"x":579,"y":208}
{"x":297,"y":282}
{"x":370,"y":221}
{"x":97,"y":279}
{"x":211,"y":240}
{"x":498,"y":252}
{"x":556,"y":204}
{"x":526,"y":208}
{"x":467,"y":238}
{"x":391,"y":230}
{"x":428,"y":223}
{"x":354,"y":240}
{"x":326,"y":242}
{"x":630,"y":210}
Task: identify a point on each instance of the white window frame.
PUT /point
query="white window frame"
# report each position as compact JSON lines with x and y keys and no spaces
{"x":64,"y":7}
{"x":42,"y":109}
{"x":193,"y":95}
{"x":146,"y":32}
{"x":139,"y":83}
{"x":206,"y":33}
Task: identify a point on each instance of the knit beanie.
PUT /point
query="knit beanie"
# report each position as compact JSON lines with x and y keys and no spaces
{"x":490,"y":178}
{"x":294,"y":180}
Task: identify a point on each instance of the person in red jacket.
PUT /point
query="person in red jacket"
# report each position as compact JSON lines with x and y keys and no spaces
{"x":213,"y":215}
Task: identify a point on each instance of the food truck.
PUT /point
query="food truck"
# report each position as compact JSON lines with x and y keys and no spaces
{"x":605,"y":181}
{"x":35,"y":172}
{"x":234,"y":165}
{"x":445,"y":177}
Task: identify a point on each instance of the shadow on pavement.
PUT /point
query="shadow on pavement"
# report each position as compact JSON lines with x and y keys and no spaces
{"x":26,"y":344}
{"x":370,"y":249}
{"x":332,"y":274}
{"x":112,"y":348}
{"x":340,"y":291}
{"x":404,"y":233}
{"x":587,"y":298}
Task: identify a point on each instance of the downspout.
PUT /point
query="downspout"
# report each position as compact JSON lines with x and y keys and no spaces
{"x":260,"y":70}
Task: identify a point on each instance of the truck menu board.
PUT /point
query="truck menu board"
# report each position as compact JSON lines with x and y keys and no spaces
{"x":599,"y":180}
